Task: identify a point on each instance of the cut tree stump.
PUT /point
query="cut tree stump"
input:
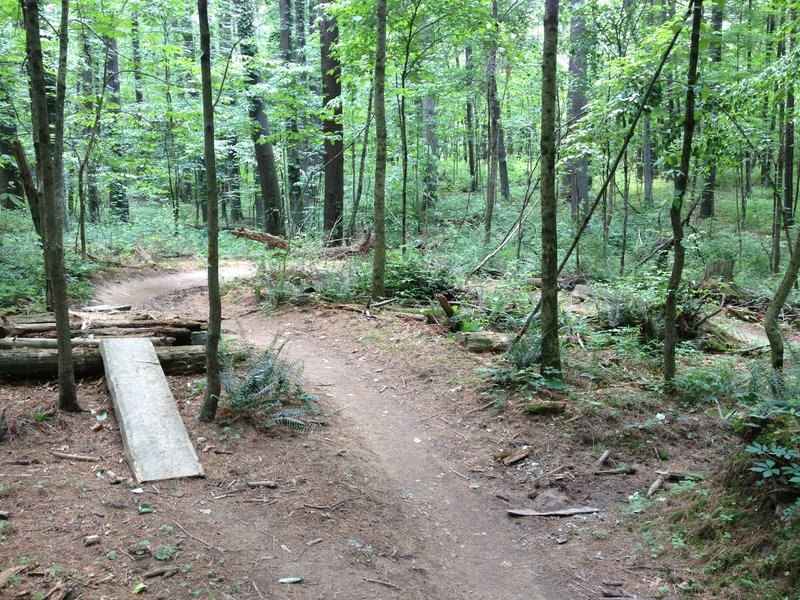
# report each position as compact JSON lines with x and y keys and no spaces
{"x":483,"y":341}
{"x":29,"y":363}
{"x":156,"y":443}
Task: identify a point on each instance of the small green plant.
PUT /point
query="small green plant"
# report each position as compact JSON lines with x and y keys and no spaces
{"x":271,"y":392}
{"x":777,"y":462}
{"x":363,"y":552}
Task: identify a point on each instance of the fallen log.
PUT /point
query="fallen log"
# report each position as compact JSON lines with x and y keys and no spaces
{"x":362,"y":246}
{"x":271,"y":241}
{"x":564,"y":512}
{"x":52,"y":343}
{"x":151,"y":328}
{"x":106,"y":308}
{"x":483,"y":341}
{"x":27,"y":363}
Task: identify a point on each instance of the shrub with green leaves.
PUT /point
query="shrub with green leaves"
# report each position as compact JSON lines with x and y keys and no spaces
{"x":412,"y":278}
{"x":271,"y":392}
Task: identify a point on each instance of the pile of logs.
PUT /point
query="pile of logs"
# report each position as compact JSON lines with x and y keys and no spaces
{"x":28,"y":346}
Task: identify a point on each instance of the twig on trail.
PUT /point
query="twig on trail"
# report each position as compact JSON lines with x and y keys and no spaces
{"x":262,"y":500}
{"x":81,"y":457}
{"x":331,"y":507}
{"x":656,"y":486}
{"x":380,"y":582}
{"x":620,"y":471}
{"x":431,"y":417}
{"x":602,"y":460}
{"x":258,"y":591}
{"x":480,"y":408}
{"x":457,"y":473}
{"x":550,"y":472}
{"x":163,"y":571}
{"x":564,"y":512}
{"x":194,"y":537}
{"x":384,"y":302}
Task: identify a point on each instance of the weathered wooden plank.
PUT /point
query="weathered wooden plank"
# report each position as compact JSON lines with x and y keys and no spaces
{"x":156,"y":443}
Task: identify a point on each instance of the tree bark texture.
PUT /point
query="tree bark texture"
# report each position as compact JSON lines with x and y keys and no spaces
{"x":473,"y":179}
{"x":493,"y":109}
{"x":52,"y":217}
{"x":266,"y":170}
{"x":333,"y":131}
{"x":715,"y":54}
{"x":551,"y":348}
{"x":431,"y":176}
{"x":379,"y":257}
{"x":577,"y":175}
{"x":213,"y":386}
{"x":681,"y":179}
{"x":117,"y":194}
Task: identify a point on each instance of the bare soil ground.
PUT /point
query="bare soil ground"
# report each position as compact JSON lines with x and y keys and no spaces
{"x":397,"y":493}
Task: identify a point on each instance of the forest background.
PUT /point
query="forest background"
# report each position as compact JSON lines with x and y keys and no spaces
{"x":656,"y":162}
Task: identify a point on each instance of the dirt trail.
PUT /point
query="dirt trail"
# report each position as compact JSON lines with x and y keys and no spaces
{"x":473,"y":550}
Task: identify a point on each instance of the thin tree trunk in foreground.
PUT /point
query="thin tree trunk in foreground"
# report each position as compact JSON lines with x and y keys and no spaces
{"x":551,"y":349}
{"x":213,"y":387}
{"x":53,"y":238}
{"x":681,"y":178}
{"x":379,"y":258}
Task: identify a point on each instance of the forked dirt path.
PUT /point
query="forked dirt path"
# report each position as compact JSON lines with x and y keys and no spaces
{"x":471,"y":549}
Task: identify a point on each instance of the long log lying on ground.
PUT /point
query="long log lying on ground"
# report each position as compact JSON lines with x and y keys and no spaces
{"x":28,"y":363}
{"x":151,"y":325}
{"x":268,"y":240}
{"x":51,"y":343}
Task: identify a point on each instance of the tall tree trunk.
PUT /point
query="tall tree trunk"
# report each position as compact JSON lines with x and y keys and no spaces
{"x":117,"y":194}
{"x":57,"y":117}
{"x":213,"y":387}
{"x":332,"y":129}
{"x":266,"y":170}
{"x":379,"y":257}
{"x":11,"y":192}
{"x":681,"y":178}
{"x":293,"y":168}
{"x":647,"y":160}
{"x":493,"y":111}
{"x":473,"y":179}
{"x":362,"y":164}
{"x":577,"y":174}
{"x":430,"y":177}
{"x":788,"y":152}
{"x":551,"y":347}
{"x":715,"y":52}
{"x":137,"y":57}
{"x":52,"y":226}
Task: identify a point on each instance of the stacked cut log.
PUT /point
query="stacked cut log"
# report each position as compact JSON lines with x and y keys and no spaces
{"x":28,"y":344}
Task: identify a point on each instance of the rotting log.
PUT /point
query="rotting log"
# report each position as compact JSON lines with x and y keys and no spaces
{"x":545,"y":407}
{"x":362,"y":246}
{"x":445,"y":304}
{"x":271,"y":241}
{"x":51,"y":343}
{"x":483,"y":341}
{"x":101,"y":325}
{"x":27,"y":363}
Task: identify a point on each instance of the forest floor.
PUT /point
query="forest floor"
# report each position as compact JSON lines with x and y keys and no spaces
{"x":398,"y":492}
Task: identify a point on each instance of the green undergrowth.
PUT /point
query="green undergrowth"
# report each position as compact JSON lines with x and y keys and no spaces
{"x":268,"y":389}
